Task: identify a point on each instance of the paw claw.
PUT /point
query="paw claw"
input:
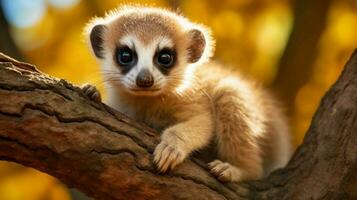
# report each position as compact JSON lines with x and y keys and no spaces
{"x":92,"y":92}
{"x":214,"y":163}
{"x":167,"y":156}
{"x":224,"y":171}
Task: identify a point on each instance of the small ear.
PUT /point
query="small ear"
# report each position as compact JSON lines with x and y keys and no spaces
{"x":96,"y":40}
{"x":196,"y":46}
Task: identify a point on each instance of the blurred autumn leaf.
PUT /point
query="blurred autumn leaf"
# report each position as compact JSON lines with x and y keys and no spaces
{"x":17,"y":182}
{"x":251,"y":36}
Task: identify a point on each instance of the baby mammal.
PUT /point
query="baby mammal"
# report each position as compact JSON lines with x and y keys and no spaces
{"x":157,"y":70}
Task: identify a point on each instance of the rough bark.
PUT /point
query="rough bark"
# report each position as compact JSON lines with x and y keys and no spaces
{"x":50,"y":125}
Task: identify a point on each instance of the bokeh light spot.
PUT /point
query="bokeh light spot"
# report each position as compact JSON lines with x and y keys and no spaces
{"x":63,"y":4}
{"x":23,"y":13}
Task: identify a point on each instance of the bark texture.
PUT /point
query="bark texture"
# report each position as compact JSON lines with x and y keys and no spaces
{"x":50,"y":125}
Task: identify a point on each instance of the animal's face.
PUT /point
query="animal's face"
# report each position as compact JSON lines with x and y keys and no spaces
{"x":147,"y":51}
{"x":145,"y":68}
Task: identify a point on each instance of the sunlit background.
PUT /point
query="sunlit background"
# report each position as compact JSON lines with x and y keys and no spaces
{"x":298,"y":48}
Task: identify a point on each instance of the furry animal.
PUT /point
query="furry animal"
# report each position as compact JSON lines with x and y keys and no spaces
{"x":157,"y":70}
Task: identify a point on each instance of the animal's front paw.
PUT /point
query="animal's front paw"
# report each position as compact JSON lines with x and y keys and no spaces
{"x":168,"y":154}
{"x":224,"y":171}
{"x":92,"y":92}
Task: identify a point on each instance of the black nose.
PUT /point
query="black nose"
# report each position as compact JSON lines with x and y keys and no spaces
{"x":144,"y":79}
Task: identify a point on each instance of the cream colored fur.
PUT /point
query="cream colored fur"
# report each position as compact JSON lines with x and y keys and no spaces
{"x":199,"y":103}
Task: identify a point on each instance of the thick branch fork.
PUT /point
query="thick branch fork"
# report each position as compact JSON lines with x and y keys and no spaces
{"x":50,"y":125}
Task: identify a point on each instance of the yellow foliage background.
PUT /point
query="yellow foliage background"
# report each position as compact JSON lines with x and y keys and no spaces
{"x":251,"y":35}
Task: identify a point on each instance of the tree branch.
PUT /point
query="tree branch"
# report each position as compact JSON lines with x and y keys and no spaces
{"x":50,"y":125}
{"x":296,"y":63}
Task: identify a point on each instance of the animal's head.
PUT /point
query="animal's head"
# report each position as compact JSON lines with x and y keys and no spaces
{"x":147,"y":51}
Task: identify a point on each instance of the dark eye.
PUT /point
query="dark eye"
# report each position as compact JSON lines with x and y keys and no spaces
{"x":165,"y":58}
{"x":125,"y":56}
